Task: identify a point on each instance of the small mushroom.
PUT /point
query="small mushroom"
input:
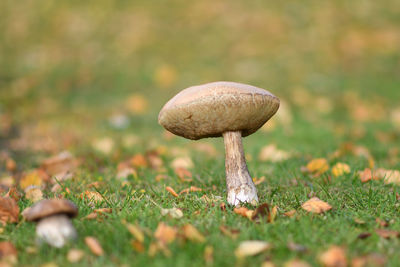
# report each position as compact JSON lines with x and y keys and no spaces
{"x":227,"y":109}
{"x":54,"y":221}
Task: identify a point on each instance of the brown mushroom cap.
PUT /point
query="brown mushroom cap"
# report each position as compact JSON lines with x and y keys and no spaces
{"x":211,"y":109}
{"x":49,"y":207}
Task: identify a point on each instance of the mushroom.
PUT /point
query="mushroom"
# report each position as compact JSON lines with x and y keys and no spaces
{"x":228,"y":109}
{"x":53,"y":217}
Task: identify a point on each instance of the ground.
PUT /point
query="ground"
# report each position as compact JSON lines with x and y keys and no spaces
{"x":90,"y":78}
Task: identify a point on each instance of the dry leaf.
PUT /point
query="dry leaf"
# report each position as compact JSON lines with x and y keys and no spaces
{"x":392,"y":177}
{"x":315,"y":205}
{"x":258,"y":181}
{"x":381,"y":223}
{"x":251,"y":248}
{"x":296,"y":263}
{"x":297,"y":247}
{"x":232,"y":233}
{"x":340,"y":168}
{"x":8,"y":252}
{"x":11,"y":165}
{"x":209,"y":255}
{"x":364,"y":235}
{"x":171,"y":191}
{"x":182,"y":162}
{"x":165,"y":75}
{"x":137,"y":104}
{"x":191,"y":233}
{"x":9,"y":210}
{"x":182,"y":173}
{"x":273,"y":154}
{"x":75,"y":255}
{"x":243,"y":211}
{"x":136,"y":232}
{"x":190,"y":189}
{"x":124,"y":173}
{"x":290,"y":213}
{"x":164,"y":233}
{"x":318,"y":166}
{"x":334,"y":257}
{"x":103,"y":145}
{"x":369,"y":260}
{"x":94,"y":245}
{"x":386,"y":233}
{"x":138,"y":161}
{"x":138,"y":246}
{"x":61,"y":163}
{"x":103,"y":210}
{"x":93,"y":197}
{"x":263,"y":211}
{"x":154,"y":160}
{"x":13,"y":193}
{"x":32,"y":178}
{"x":33,"y":193}
{"x":174,"y":213}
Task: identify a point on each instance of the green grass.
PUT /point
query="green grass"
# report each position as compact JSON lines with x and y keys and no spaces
{"x":66,"y":68}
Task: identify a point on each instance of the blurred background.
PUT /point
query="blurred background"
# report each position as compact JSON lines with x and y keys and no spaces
{"x":78,"y":74}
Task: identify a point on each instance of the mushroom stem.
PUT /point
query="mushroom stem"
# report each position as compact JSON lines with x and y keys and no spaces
{"x":238,"y":180}
{"x":56,"y":230}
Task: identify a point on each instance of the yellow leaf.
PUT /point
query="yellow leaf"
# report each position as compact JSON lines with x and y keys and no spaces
{"x":315,"y":205}
{"x":318,"y":166}
{"x":191,"y":233}
{"x":340,"y":168}
{"x":32,"y":178}
{"x":136,"y":232}
{"x":165,"y":75}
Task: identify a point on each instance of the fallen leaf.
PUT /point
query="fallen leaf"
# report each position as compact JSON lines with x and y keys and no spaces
{"x":137,"y":104}
{"x":94,"y":245}
{"x":139,"y":161}
{"x":8,"y":251}
{"x":124,"y":173}
{"x":11,"y":165}
{"x":171,"y":191}
{"x":296,"y":263}
{"x":173,"y":212}
{"x":232,"y":233}
{"x":209,"y":255}
{"x":9,"y":210}
{"x":75,"y":255}
{"x":154,"y":160}
{"x":315,"y":205}
{"x":340,"y":169}
{"x":392,"y":177}
{"x":365,"y":175}
{"x":290,"y":213}
{"x":91,"y":216}
{"x":33,"y":193}
{"x":13,"y":193}
{"x":386,"y":233}
{"x":164,"y":233}
{"x":35,"y":177}
{"x":243,"y":211}
{"x":182,"y":162}
{"x":103,"y":145}
{"x":369,"y":260}
{"x":190,"y":189}
{"x":183,"y":174}
{"x":297,"y":247}
{"x":103,"y":210}
{"x":317,"y":166}
{"x":258,"y":181}
{"x":381,"y":223}
{"x":93,"y":197}
{"x":267,"y":264}
{"x":334,"y":257}
{"x":364,"y":235}
{"x":135,"y":231}
{"x":59,"y":164}
{"x":251,"y":248}
{"x":273,"y":154}
{"x":138,"y":246}
{"x":264,"y":211}
{"x":165,"y":75}
{"x":191,"y":233}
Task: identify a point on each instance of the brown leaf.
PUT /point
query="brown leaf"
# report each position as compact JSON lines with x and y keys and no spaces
{"x":164,"y":233}
{"x":243,"y":211}
{"x":296,"y":263}
{"x":315,"y":205}
{"x":11,"y":165}
{"x":386,"y":233}
{"x":251,"y":248}
{"x":182,"y":162}
{"x":138,"y":161}
{"x":317,"y":166}
{"x":13,"y":193}
{"x":381,"y":223}
{"x":8,"y":252}
{"x":75,"y":255}
{"x":232,"y":233}
{"x":191,"y":233}
{"x":155,"y":160}
{"x":297,"y":247}
{"x":103,"y":210}
{"x":33,"y":193}
{"x":263,"y":211}
{"x":94,"y":245}
{"x":364,"y":235}
{"x":258,"y":181}
{"x":138,"y":246}
{"x":290,"y":213}
{"x":190,"y":189}
{"x":183,"y":174}
{"x":9,"y":210}
{"x":369,"y":260}
{"x":136,"y":232}
{"x":171,"y":191}
{"x":93,"y":197}
{"x":61,"y":163}
{"x":334,"y":257}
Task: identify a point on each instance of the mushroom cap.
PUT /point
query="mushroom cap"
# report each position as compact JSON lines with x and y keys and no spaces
{"x":49,"y":207}
{"x":211,"y":109}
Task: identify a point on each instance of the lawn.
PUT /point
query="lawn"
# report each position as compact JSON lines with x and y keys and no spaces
{"x":90,"y":78}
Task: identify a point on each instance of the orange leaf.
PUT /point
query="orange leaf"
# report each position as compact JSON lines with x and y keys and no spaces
{"x":334,"y":257}
{"x":94,"y":245}
{"x":172,"y":191}
{"x":191,"y":233}
{"x":9,"y":210}
{"x":317,"y":166}
{"x":164,"y":233}
{"x":315,"y":205}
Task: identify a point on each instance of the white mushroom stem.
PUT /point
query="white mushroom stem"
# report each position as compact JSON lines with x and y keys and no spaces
{"x":238,"y":180}
{"x":56,"y":230}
